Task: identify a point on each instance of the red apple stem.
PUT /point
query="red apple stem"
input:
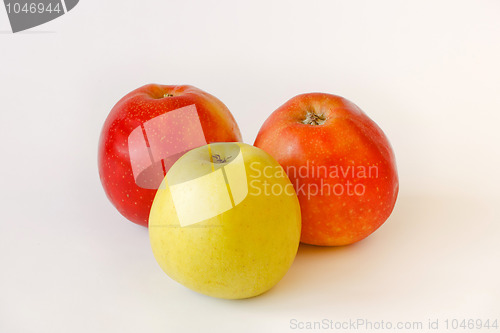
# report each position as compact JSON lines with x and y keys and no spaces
{"x":312,"y":118}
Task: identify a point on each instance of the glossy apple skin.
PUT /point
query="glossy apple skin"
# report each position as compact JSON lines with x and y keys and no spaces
{"x":133,"y":110}
{"x":346,"y":137}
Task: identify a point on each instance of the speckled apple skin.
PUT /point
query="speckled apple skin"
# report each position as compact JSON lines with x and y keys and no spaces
{"x":347,"y":137}
{"x":134,"y":109}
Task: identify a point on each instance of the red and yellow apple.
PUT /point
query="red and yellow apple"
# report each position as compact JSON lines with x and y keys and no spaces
{"x":339,"y":161}
{"x":146,"y":132}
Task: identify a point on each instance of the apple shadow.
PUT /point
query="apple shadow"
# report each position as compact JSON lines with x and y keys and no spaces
{"x":380,"y":263}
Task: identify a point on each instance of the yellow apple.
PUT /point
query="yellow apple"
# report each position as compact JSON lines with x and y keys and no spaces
{"x":226,"y":221}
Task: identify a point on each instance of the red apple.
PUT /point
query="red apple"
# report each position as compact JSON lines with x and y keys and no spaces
{"x":146,"y":132}
{"x":341,"y":165}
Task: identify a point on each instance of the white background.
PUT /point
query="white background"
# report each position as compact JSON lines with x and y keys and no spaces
{"x":428,"y":72}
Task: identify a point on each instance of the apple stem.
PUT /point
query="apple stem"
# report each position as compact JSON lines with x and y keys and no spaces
{"x":313,"y":118}
{"x":165,"y":95}
{"x":218,"y":159}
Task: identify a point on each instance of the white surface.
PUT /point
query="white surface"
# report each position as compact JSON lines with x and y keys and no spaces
{"x":427,"y":72}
